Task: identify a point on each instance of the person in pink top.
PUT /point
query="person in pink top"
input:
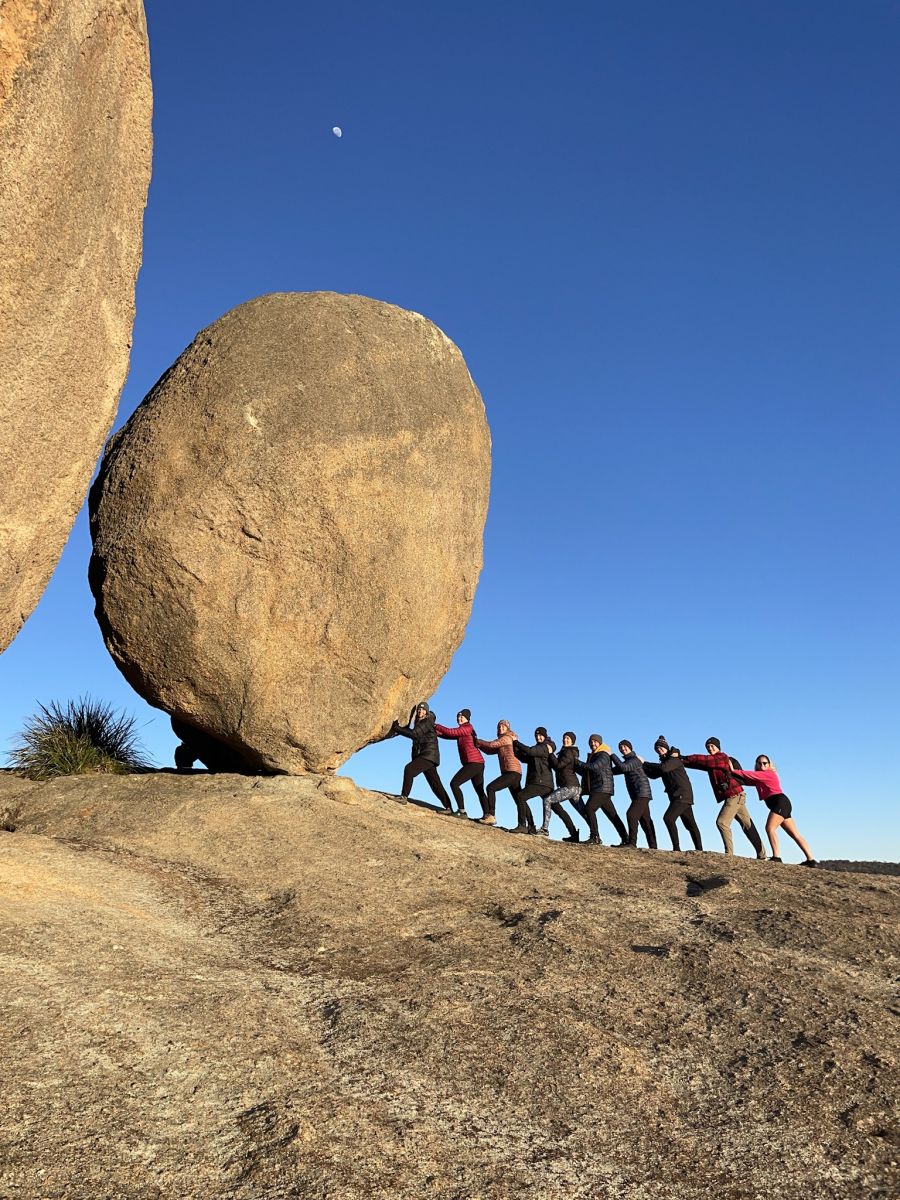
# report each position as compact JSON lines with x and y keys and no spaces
{"x":472,"y":769}
{"x":510,"y":768}
{"x":768,"y":786}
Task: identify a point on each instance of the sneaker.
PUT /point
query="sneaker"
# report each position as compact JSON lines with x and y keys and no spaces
{"x":774,"y":859}
{"x":761,"y":858}
{"x":488,"y":820}
{"x":810,"y":862}
{"x":540,"y":832}
{"x":461,"y":812}
{"x":445,"y":812}
{"x":595,"y":841}
{"x":531,"y":829}
{"x":573,"y":837}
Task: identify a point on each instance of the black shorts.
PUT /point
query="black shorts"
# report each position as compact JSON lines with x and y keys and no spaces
{"x":779,"y":804}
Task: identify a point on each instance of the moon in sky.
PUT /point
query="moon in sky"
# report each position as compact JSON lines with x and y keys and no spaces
{"x":337,"y":131}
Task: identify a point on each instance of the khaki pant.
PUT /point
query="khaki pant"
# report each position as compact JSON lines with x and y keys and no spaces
{"x":735,"y":808}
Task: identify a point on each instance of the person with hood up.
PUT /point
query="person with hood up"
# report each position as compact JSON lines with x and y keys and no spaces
{"x":670,"y":769}
{"x":425,"y":753}
{"x":639,"y":791}
{"x":471,"y":758}
{"x":538,"y":777}
{"x":510,"y":769}
{"x":600,"y":786}
{"x":729,"y":793}
{"x":568,"y":787}
{"x":768,"y":787}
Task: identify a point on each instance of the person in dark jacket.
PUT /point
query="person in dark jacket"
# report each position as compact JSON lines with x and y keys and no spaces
{"x":640,"y":794}
{"x":538,"y":777}
{"x":568,"y":787}
{"x":670,"y":769}
{"x":600,"y":785}
{"x":510,"y":768}
{"x":471,"y":758}
{"x":729,"y":792}
{"x":425,"y":753}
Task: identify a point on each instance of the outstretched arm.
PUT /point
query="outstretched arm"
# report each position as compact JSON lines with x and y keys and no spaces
{"x":700,"y":762}
{"x":490,"y":747}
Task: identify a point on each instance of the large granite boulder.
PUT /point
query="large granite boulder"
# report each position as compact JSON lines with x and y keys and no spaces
{"x":75,"y":106}
{"x":288,"y":531}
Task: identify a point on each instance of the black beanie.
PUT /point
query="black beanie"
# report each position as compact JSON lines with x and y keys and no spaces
{"x":714,"y":742}
{"x":540,"y":730}
{"x":466,"y":712}
{"x":660,"y":743}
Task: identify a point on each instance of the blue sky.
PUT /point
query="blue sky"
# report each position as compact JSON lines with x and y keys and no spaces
{"x":665,"y":237}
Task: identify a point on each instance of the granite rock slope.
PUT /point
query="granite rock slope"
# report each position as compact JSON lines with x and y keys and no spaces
{"x":75,"y":144}
{"x":288,"y":531}
{"x":287,"y":987}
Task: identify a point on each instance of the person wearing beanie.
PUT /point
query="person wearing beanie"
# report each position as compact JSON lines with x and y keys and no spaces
{"x":471,"y":758}
{"x":425,"y":753}
{"x":598,"y":775}
{"x":538,"y":777}
{"x":568,"y":787}
{"x":730,"y":794}
{"x":670,"y":769}
{"x":768,"y":787}
{"x":639,"y":791}
{"x":510,"y":768}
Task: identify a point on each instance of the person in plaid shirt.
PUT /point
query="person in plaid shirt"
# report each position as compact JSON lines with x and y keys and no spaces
{"x":730,"y":794}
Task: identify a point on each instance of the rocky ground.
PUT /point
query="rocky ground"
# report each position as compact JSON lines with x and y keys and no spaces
{"x":287,"y":987}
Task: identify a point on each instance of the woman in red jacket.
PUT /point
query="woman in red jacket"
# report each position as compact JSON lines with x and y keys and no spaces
{"x":510,"y":768}
{"x":472,"y":769}
{"x":768,"y":788}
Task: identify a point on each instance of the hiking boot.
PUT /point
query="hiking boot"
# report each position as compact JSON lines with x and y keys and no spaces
{"x":531,"y":829}
{"x":461,"y":812}
{"x":487,"y":820}
{"x":774,"y":859}
{"x":445,"y":812}
{"x":520,"y":829}
{"x":595,"y":841}
{"x":810,"y":862}
{"x":573,"y":837}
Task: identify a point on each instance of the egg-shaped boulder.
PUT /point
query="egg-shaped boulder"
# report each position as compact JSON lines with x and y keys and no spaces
{"x":288,"y":531}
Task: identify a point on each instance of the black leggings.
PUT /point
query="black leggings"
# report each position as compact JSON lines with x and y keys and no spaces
{"x":522,"y":798}
{"x":509,"y":779}
{"x":424,"y":766}
{"x":603,"y":802}
{"x":475,"y":773}
{"x":678,"y":810}
{"x":639,"y":814}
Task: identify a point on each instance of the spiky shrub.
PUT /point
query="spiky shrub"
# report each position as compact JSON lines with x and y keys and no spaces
{"x":84,"y":737}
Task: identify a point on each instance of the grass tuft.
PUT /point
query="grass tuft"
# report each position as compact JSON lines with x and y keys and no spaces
{"x":86,"y":737}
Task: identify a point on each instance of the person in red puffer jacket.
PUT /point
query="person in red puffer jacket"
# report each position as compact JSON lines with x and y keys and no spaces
{"x":472,"y":769}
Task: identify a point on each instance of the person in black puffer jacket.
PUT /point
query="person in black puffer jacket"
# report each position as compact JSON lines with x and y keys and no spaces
{"x":568,"y":787}
{"x":670,"y":769}
{"x":538,"y":777}
{"x":598,"y":775}
{"x":639,"y":791}
{"x":425,"y":753}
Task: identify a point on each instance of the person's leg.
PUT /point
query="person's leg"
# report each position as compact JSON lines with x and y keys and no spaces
{"x":459,"y":778}
{"x":687,"y":820}
{"x":509,"y":779}
{"x":566,"y":820}
{"x":743,"y":818}
{"x":434,"y":782}
{"x":526,"y":820}
{"x":478,"y":786}
{"x":772,"y":822}
{"x":633,"y":816}
{"x":723,"y":823}
{"x":670,"y":817}
{"x":791,"y":830}
{"x":648,"y":828}
{"x":609,"y":811}
{"x":551,"y":800}
{"x":413,"y":768}
{"x":590,"y":815}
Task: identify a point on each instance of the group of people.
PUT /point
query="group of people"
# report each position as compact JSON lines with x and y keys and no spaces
{"x":559,"y":776}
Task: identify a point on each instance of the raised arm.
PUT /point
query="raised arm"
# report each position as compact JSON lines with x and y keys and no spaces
{"x":445,"y":731}
{"x":489,"y":747}
{"x":618,"y":767}
{"x":653,"y":770}
{"x":523,"y":753}
{"x":700,"y":762}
